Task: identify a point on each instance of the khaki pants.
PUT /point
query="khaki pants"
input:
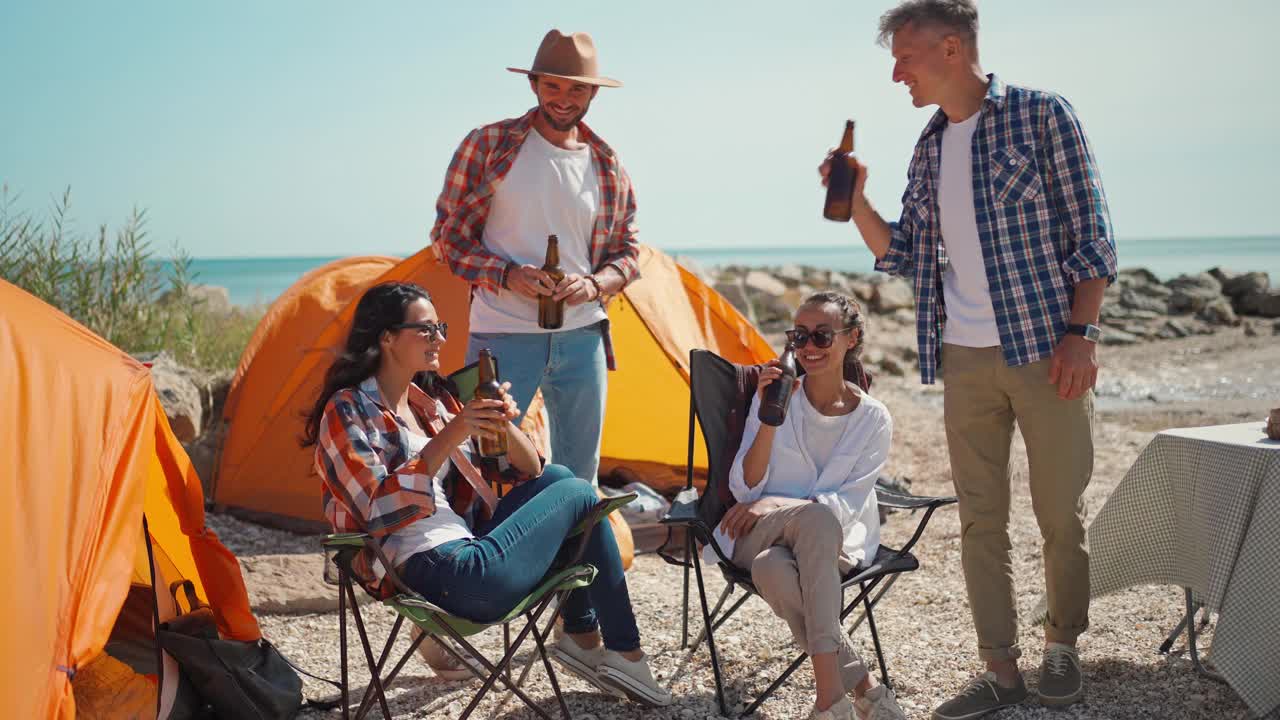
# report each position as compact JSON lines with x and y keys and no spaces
{"x":796,"y":558}
{"x":982,"y":399}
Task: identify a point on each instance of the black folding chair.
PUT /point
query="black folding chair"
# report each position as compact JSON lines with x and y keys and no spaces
{"x":442,"y":626}
{"x":720,"y":398}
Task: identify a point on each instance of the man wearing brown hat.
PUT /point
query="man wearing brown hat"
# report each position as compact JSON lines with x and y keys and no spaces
{"x":510,"y":185}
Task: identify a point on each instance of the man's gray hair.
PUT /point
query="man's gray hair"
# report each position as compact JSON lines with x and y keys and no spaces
{"x":951,"y":17}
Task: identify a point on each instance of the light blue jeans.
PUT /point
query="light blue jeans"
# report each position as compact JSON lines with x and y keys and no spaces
{"x":570,"y":368}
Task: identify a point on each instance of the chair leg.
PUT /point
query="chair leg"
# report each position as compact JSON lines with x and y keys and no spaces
{"x":874,"y":601}
{"x":715,"y":615}
{"x":684,"y":608}
{"x":875,"y":639}
{"x":546,"y":663}
{"x":795,"y":665}
{"x":391,"y":677}
{"x":368,"y":654}
{"x":497,"y":672}
{"x":711,"y":640}
{"x":344,"y":581}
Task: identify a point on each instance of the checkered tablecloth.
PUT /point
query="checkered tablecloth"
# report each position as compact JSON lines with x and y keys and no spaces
{"x":1200,"y":508}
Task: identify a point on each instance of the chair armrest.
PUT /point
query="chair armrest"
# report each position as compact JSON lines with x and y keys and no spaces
{"x":341,"y":540}
{"x":906,"y":501}
{"x":681,"y":512}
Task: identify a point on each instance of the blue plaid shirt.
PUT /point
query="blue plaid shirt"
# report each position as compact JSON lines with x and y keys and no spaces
{"x":1043,"y":222}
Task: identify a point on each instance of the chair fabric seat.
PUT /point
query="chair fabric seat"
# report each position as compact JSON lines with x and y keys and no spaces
{"x":424,"y":614}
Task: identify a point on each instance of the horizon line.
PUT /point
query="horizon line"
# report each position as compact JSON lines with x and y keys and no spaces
{"x":718,"y":248}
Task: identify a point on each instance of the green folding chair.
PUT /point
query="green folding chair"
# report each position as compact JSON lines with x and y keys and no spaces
{"x":442,"y":626}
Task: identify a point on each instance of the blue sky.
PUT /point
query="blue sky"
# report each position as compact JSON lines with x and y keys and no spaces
{"x":323,"y":128}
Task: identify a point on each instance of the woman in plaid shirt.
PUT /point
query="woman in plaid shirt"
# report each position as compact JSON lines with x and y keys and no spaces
{"x":395,"y":450}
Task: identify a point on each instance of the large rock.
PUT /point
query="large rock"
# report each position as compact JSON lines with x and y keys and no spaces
{"x":862,"y":290}
{"x":1191,"y":293}
{"x":736,"y":293}
{"x":764,"y":283}
{"x":1112,"y":336}
{"x":1134,"y":300}
{"x":894,"y":294}
{"x":792,"y":275}
{"x":1219,"y":312}
{"x":1246,"y":284}
{"x":179,"y":390}
{"x":1139,"y":276}
{"x":1266,"y":304}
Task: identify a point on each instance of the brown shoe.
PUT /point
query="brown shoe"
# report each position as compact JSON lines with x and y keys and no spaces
{"x":981,"y":696}
{"x":1060,"y":680}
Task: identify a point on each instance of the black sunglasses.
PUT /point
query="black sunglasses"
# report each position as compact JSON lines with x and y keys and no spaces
{"x":428,"y":330}
{"x":821,"y":338}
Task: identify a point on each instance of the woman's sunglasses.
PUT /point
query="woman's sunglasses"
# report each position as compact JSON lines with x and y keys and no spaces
{"x":821,"y":338}
{"x":428,"y":330}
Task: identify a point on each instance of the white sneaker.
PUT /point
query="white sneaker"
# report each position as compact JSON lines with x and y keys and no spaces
{"x":633,"y":680}
{"x":878,"y":704}
{"x":841,"y":709}
{"x":581,"y":661}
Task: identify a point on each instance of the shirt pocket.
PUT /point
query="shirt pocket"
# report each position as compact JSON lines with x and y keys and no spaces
{"x":917,"y":203}
{"x":1014,"y":176}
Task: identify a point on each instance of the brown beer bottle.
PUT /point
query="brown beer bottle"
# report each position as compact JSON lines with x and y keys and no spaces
{"x":841,"y":179}
{"x":550,"y":311}
{"x":777,"y":394}
{"x":488,"y":388}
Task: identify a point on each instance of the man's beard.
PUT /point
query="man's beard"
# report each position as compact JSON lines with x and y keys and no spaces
{"x":562,"y":126}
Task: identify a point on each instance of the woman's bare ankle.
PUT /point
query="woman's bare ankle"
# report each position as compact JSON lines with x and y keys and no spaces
{"x":587,"y":640}
{"x":633,"y":655}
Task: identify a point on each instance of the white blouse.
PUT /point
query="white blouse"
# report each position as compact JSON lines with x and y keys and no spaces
{"x":844,"y":482}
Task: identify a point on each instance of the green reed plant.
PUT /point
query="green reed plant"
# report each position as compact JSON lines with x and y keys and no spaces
{"x":112,"y":283}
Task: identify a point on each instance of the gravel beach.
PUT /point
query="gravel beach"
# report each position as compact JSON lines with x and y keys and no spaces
{"x":924,"y":622}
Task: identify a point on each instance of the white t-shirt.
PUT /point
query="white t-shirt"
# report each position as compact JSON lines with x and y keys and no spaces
{"x":444,"y":525}
{"x":822,"y":432}
{"x":971,"y":319}
{"x":548,"y":191}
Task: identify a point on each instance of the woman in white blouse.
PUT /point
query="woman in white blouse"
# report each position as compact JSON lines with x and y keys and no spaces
{"x":806,"y":511}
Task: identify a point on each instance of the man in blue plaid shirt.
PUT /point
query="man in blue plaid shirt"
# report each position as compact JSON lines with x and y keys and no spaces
{"x":1006,"y":235}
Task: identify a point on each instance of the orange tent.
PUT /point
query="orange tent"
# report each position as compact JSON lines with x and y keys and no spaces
{"x":655,"y":322}
{"x":88,"y":454}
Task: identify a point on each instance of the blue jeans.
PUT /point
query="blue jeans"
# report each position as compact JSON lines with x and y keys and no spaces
{"x":570,"y":368}
{"x":482,"y":578}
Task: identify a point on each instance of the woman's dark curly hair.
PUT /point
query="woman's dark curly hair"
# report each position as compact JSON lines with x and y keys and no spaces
{"x":381,"y":307}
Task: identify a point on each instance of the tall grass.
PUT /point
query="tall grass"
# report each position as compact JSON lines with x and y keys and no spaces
{"x":111,"y":282}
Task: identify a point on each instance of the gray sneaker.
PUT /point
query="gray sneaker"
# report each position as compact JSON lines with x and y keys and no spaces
{"x":1060,"y":681}
{"x":981,"y":696}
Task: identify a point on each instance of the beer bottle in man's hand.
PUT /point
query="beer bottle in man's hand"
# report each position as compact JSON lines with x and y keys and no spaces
{"x":777,"y":394}
{"x":550,"y":310}
{"x":489,"y":389}
{"x":841,"y":179}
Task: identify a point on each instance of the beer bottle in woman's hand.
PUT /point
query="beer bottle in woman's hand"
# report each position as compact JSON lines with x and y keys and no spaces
{"x":777,"y":394}
{"x":489,"y":389}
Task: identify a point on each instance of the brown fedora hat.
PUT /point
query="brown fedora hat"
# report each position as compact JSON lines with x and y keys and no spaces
{"x":572,"y":57}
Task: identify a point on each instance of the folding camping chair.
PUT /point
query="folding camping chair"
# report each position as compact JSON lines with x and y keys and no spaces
{"x":442,"y":626}
{"x":720,"y":398}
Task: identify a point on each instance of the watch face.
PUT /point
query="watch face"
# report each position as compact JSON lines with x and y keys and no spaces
{"x":1092,"y":332}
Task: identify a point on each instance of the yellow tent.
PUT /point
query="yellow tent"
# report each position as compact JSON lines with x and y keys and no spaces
{"x":88,"y":453}
{"x":655,"y":322}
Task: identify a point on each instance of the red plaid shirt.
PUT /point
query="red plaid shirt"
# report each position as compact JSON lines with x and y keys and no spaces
{"x":371,"y":484}
{"x":481,"y":163}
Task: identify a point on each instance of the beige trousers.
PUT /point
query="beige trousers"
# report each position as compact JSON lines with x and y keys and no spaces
{"x":982,"y":399}
{"x":796,"y":558}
